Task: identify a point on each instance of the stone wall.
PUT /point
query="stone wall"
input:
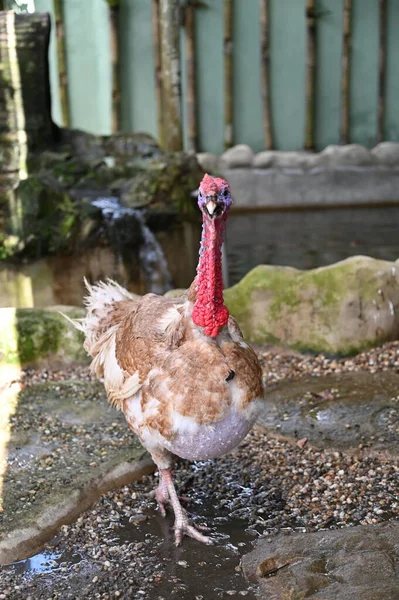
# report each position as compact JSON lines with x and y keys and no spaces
{"x":339,"y":176}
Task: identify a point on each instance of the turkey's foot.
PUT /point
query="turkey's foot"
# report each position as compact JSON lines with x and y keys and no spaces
{"x":183,"y":527}
{"x":182,"y":524}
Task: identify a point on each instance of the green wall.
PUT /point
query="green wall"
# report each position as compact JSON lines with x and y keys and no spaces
{"x":89,"y":70}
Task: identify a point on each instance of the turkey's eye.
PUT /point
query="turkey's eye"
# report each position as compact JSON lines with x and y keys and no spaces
{"x":226,"y":193}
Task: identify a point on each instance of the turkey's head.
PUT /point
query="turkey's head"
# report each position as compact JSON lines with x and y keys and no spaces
{"x":214,"y":197}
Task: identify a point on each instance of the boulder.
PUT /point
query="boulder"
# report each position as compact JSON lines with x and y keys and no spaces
{"x":338,"y":309}
{"x":32,"y":336}
{"x":356,"y":562}
{"x":169,"y":181}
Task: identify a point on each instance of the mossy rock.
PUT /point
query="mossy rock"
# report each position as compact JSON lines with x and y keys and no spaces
{"x":30,"y":336}
{"x":46,"y":218}
{"x":339,"y":309}
{"x":169,"y":181}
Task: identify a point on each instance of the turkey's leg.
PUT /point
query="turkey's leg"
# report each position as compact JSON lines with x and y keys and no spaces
{"x":161,"y":495}
{"x":182,"y":524}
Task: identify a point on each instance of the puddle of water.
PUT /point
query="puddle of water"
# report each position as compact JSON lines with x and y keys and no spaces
{"x":44,"y":563}
{"x":319,"y":414}
{"x":192,"y":570}
{"x":202,"y":571}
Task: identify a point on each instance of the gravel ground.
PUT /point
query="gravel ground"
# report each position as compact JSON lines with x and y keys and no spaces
{"x":121,"y":548}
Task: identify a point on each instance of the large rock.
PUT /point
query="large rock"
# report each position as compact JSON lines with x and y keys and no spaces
{"x":63,"y":446}
{"x":169,"y":181}
{"x":40,"y":336}
{"x":353,"y":563}
{"x":339,"y":309}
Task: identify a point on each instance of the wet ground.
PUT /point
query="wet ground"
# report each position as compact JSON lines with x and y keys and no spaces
{"x":159,"y":568}
{"x":267,"y":488}
{"x":123,"y":548}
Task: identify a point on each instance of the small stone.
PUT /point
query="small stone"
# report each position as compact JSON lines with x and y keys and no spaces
{"x":237,"y":157}
{"x":182,"y":563}
{"x":387,"y":153}
{"x":349,"y":155}
{"x":302,"y":442}
{"x":208,"y":161}
{"x":264,"y":160}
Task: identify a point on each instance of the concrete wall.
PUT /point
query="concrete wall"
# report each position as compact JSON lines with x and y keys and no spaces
{"x":88,"y":43}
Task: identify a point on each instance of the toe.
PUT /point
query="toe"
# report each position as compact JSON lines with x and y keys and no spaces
{"x":161,"y":508}
{"x":194,"y":533}
{"x":182,"y":529}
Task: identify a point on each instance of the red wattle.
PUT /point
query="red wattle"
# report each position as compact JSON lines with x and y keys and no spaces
{"x":209,"y":310}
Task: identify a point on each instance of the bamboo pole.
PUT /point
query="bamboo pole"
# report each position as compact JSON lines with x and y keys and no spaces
{"x":61,"y":58}
{"x":171,"y":76}
{"x":116,"y":89}
{"x":156,"y":37}
{"x":228,"y":73}
{"x":265,"y":73}
{"x":382,"y":70}
{"x":310,"y":74}
{"x":345,"y":72}
{"x":191,"y":78}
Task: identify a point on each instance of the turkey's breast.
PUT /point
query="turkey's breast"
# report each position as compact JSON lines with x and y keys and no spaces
{"x":201,"y":400}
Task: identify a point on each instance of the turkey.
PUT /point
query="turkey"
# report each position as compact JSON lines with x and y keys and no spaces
{"x":179,"y":368}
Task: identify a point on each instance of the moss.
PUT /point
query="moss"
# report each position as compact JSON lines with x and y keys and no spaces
{"x":168,"y":181}
{"x":340,"y":309}
{"x":31,"y":335}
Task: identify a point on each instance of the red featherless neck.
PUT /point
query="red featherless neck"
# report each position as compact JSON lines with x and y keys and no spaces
{"x":209,"y":310}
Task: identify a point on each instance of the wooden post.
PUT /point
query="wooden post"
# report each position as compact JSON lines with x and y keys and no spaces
{"x":310,"y":74}
{"x":382,"y":70}
{"x":265,"y":73}
{"x":156,"y":37}
{"x":171,"y":77}
{"x":191,"y":77}
{"x":228,"y":73}
{"x":116,"y":91}
{"x":346,"y":72}
{"x":61,"y":58}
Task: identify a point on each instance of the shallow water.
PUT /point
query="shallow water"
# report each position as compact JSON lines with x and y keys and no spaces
{"x":192,"y":571}
{"x":44,"y":562}
{"x":306,"y":239}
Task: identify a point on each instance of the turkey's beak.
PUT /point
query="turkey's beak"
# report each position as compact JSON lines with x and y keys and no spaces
{"x":210,"y":207}
{"x":213,"y":207}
